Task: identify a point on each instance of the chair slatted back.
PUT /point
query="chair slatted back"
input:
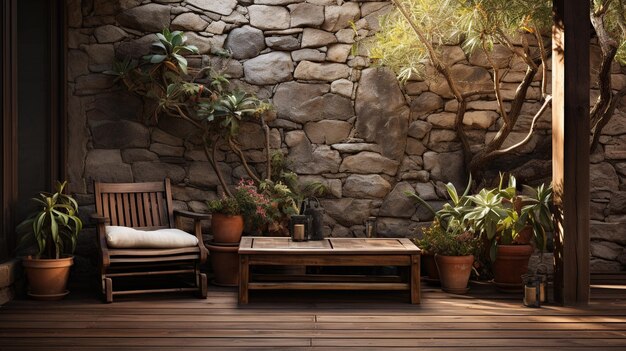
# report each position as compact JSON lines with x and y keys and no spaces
{"x":137,"y":205}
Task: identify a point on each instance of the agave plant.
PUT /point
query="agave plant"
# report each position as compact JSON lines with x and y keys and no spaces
{"x":170,"y":46}
{"x":537,"y":212}
{"x":55,"y":227}
{"x":451,"y":216}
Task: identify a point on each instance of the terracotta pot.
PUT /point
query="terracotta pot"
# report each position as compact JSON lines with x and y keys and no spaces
{"x":47,"y":278}
{"x":511,"y":262}
{"x":225,"y":263}
{"x":454,"y":272}
{"x":430,"y":269}
{"x":226,"y":229}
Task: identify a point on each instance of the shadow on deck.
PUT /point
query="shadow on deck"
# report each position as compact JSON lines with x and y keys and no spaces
{"x":296,"y":320}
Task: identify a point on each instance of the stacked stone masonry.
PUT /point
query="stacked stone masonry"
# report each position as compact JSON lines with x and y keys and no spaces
{"x":340,"y":119}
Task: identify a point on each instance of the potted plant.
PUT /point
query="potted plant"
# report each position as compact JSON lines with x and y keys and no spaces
{"x":448,"y":238}
{"x":454,"y":248}
{"x":246,"y":207}
{"x":513,"y":224}
{"x":53,"y":229}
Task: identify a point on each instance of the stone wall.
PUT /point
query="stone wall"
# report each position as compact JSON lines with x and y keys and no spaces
{"x":340,"y":120}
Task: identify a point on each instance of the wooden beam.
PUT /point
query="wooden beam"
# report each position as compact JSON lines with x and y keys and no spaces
{"x":570,"y":149}
{"x":8,"y":147}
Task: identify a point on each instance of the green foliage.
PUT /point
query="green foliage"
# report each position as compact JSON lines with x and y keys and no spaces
{"x":437,"y":240}
{"x":616,"y":25}
{"x":499,"y":215}
{"x":286,"y":193}
{"x":55,"y":227}
{"x":537,"y":212}
{"x":476,"y":24}
{"x":170,"y":47}
{"x":248,"y":201}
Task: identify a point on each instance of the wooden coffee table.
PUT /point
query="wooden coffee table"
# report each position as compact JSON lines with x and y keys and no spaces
{"x":330,"y":252}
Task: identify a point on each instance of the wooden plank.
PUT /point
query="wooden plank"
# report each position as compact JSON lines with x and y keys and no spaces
{"x":118,"y":343}
{"x":119,"y":207}
{"x":542,"y":344}
{"x":374,"y":244}
{"x":304,"y":259}
{"x":160,"y":207}
{"x":153,"y":259}
{"x":414,"y":279}
{"x":291,"y":348}
{"x":357,"y":246}
{"x":134,"y":220}
{"x":244,"y":278}
{"x":152,"y":252}
{"x":326,"y":286}
{"x":291,"y":325}
{"x":152,"y":291}
{"x":288,"y":244}
{"x":141,"y":212}
{"x":327,"y":278}
{"x":9,"y":138}
{"x":154,"y":209}
{"x":146,"y":209}
{"x":570,"y":149}
{"x":144,"y":187}
{"x":126,"y":205}
{"x":355,"y":335}
{"x":113,"y":210}
{"x":105,"y":206}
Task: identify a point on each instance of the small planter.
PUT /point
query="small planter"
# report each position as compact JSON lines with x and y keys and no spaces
{"x":47,"y":278}
{"x":226,"y":229}
{"x":225,"y":263}
{"x":511,"y":263}
{"x":454,"y":272}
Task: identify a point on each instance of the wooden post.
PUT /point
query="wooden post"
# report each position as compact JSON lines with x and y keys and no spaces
{"x":8,"y":128}
{"x":570,"y":149}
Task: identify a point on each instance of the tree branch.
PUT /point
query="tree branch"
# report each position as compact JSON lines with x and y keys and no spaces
{"x":596,"y":129}
{"x":496,"y":85}
{"x":539,"y":113}
{"x":233,"y":145}
{"x":544,"y":58}
{"x":268,"y":156}
{"x":605,"y":105}
{"x":210,"y":155}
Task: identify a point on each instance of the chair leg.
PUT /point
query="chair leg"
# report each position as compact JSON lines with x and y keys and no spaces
{"x":202,"y":285}
{"x":108,"y":290}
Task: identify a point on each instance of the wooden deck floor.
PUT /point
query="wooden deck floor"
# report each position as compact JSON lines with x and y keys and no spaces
{"x":324,"y":321}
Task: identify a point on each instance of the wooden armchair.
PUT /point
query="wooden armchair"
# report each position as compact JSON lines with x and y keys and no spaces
{"x":145,"y":206}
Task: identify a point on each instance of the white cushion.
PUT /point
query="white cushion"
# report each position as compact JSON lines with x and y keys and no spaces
{"x":129,"y":238}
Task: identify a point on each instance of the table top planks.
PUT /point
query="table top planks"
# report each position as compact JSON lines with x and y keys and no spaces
{"x":357,"y":246}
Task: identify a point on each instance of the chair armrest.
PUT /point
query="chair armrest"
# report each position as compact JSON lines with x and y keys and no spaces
{"x":197,"y":228}
{"x":192,"y":215}
{"x":97,"y":219}
{"x":101,"y":222}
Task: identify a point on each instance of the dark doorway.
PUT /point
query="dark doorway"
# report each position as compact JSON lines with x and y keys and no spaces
{"x":33,"y":108}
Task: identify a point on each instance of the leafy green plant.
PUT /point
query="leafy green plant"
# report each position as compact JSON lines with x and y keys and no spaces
{"x":537,"y":212}
{"x":499,"y":215}
{"x":452,"y":215}
{"x":247,"y":200}
{"x":415,"y":38}
{"x":199,"y":97}
{"x":55,"y":227}
{"x":507,"y":217}
{"x":170,"y":46}
{"x":437,"y":240}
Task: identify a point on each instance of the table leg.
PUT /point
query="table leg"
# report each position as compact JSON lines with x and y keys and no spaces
{"x":415,"y":279}
{"x":244,"y":275}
